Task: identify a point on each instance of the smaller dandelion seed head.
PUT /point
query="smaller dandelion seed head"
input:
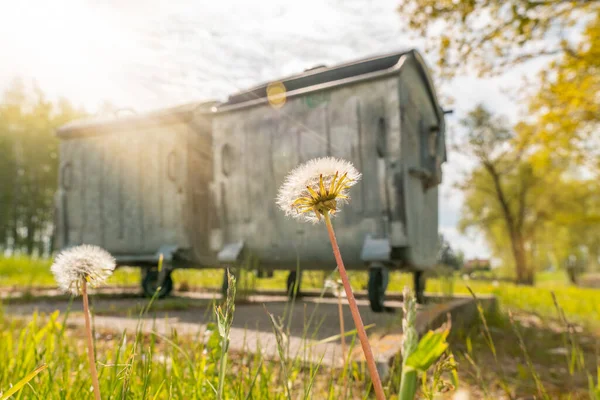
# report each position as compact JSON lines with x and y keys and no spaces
{"x":336,"y":287}
{"x":85,"y":262}
{"x":318,"y":186}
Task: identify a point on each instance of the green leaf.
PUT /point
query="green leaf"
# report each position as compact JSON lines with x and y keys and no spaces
{"x":23,"y":382}
{"x":469,"y":345}
{"x":429,"y":350}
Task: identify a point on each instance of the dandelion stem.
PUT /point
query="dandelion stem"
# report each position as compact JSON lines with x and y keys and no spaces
{"x":90,"y":342}
{"x":342,"y":330}
{"x":360,"y":328}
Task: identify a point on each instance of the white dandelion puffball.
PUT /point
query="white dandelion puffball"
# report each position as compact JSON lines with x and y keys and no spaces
{"x":318,"y":186}
{"x":88,"y":262}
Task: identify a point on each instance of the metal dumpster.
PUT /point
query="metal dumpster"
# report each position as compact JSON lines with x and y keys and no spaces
{"x":138,"y":186}
{"x":197,"y":183}
{"x":383,"y":115}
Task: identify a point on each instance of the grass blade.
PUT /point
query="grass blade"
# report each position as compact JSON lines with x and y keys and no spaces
{"x":249,"y":395}
{"x":19,"y":385}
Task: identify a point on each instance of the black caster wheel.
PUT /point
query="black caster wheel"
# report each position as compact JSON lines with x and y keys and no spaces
{"x":419,"y":286}
{"x":378,"y":282}
{"x":150,"y":277}
{"x":264,"y":273}
{"x":293,"y":284}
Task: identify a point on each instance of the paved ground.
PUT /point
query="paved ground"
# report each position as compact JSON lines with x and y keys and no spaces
{"x":252,"y":329}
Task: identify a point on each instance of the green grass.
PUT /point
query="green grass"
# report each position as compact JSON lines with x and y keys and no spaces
{"x":581,"y":304}
{"x":29,"y":273}
{"x":151,"y":366}
{"x":25,"y":272}
{"x":130,"y":366}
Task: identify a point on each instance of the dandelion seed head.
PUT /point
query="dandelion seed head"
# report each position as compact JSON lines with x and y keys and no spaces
{"x":73,"y":265}
{"x":318,"y":186}
{"x":336,"y":287}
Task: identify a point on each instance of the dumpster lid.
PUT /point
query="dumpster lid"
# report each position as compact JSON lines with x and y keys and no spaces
{"x":321,"y":74}
{"x":104,"y":124}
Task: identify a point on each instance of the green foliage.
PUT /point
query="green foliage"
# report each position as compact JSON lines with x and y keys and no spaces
{"x":224,"y":322}
{"x":420,"y":355}
{"x":493,"y":35}
{"x":534,"y":193}
{"x":534,"y":213}
{"x":29,"y":167}
{"x":595,"y":387}
{"x":25,"y":272}
{"x":447,"y":256}
{"x":525,"y":348}
{"x":567,"y":105}
{"x":580,"y":304}
{"x":182,"y":367}
{"x":429,"y":350}
{"x":128,"y":369}
{"x":19,"y":385}
{"x":152,"y":366}
{"x":499,"y":190}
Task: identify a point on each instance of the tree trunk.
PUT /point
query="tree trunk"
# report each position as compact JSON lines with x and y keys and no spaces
{"x":30,"y":238}
{"x":41,"y":243}
{"x":525,"y":274}
{"x":16,"y":243}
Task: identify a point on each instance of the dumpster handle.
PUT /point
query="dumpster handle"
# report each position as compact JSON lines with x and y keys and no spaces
{"x":66,"y":180}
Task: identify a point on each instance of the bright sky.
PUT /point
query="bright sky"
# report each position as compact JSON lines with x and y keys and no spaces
{"x":149,"y":54}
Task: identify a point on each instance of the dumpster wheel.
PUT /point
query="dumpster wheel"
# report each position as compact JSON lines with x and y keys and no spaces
{"x":419,"y":286}
{"x":150,"y":283}
{"x":378,"y":281}
{"x":293,"y":284}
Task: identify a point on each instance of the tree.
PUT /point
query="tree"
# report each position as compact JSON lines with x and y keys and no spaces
{"x":499,"y":189}
{"x":550,"y":196}
{"x":573,"y":227}
{"x":567,"y":105}
{"x":447,"y":256}
{"x":535,"y":210}
{"x":491,"y":35}
{"x":28,"y":168}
